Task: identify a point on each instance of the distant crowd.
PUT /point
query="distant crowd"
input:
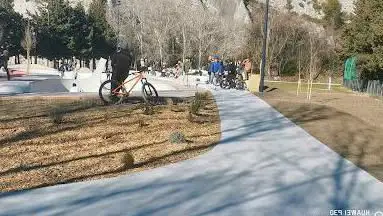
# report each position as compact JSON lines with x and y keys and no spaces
{"x":218,"y":66}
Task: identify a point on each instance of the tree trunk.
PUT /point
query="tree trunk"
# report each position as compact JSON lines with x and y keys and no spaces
{"x":28,"y":61}
{"x":55,"y":64}
{"x":141,"y":46}
{"x":94,"y":64}
{"x":87,"y":63}
{"x":184,"y":50}
{"x":18,"y":59}
{"x":161,"y":57}
{"x":199,"y":55}
{"x":35,"y":59}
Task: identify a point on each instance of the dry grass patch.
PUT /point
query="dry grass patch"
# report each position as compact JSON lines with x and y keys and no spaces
{"x":51,"y":141}
{"x":349,"y":124}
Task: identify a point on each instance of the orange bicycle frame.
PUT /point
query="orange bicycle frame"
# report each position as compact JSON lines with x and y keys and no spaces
{"x":139,"y":77}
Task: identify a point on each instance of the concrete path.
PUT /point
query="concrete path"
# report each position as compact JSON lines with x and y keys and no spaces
{"x":264,"y":165}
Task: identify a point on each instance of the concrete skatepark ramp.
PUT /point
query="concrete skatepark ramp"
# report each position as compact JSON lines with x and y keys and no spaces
{"x":81,"y":80}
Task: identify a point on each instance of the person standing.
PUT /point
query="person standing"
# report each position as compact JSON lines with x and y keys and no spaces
{"x":247,"y":68}
{"x":209,"y":68}
{"x":4,"y":57}
{"x":215,"y":68}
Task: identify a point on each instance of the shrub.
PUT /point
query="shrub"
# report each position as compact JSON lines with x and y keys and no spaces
{"x":177,"y":137}
{"x":190,"y":117}
{"x":141,"y":123}
{"x":148,"y":110}
{"x":195,"y":106}
{"x":127,"y":160}
{"x":197,"y":103}
{"x":202,"y":95}
{"x":57,"y":115}
{"x":169,"y":101}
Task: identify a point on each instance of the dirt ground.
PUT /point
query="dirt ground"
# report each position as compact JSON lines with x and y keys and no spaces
{"x":60,"y":140}
{"x":348,"y":123}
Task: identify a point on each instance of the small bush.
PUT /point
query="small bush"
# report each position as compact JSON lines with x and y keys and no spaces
{"x":127,"y":160}
{"x":141,"y":123}
{"x":202,"y":95}
{"x":190,"y":117}
{"x":177,"y":137}
{"x":57,"y":115}
{"x":169,"y":101}
{"x":195,"y":106}
{"x":148,"y":110}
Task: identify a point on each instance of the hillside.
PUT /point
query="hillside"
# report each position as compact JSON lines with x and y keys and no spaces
{"x":237,"y":8}
{"x":228,"y":8}
{"x":22,"y":6}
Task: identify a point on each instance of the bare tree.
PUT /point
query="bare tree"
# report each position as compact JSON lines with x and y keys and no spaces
{"x":27,"y":44}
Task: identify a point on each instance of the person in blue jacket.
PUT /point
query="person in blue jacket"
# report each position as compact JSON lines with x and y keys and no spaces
{"x":215,"y":68}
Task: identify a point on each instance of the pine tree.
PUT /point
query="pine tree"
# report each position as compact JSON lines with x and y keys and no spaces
{"x":11,"y":28}
{"x":363,"y":38}
{"x":102,"y":35}
{"x":79,"y":42}
{"x":54,"y":29}
{"x":7,"y":4}
{"x":333,"y":15}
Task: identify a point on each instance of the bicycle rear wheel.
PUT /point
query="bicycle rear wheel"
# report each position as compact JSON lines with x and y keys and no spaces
{"x":225,"y":84}
{"x":149,"y":94}
{"x":106,"y":93}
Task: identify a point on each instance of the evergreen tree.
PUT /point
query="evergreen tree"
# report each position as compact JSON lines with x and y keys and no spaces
{"x":79,"y":42}
{"x":7,"y":4}
{"x":11,"y":29}
{"x":101,"y":34}
{"x":54,"y":28}
{"x":363,"y":38}
{"x":333,"y":15}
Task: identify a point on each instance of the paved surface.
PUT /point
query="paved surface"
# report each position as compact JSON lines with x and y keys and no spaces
{"x":264,"y":165}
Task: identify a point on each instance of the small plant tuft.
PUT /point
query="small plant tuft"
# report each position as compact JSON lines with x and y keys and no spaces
{"x":57,"y":115}
{"x":202,"y":95}
{"x":169,"y":102}
{"x":190,"y":117}
{"x":148,"y":110}
{"x":177,"y":138}
{"x":198,"y":102}
{"x":141,"y":123}
{"x":195,"y":106}
{"x":127,"y":160}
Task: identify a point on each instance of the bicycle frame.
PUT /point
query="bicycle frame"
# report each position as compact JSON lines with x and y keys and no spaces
{"x":139,"y":77}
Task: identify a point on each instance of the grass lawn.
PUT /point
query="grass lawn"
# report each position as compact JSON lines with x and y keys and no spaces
{"x":348,"y":123}
{"x":48,"y":141}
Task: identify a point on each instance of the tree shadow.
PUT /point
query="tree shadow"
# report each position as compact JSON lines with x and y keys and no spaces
{"x":268,"y":166}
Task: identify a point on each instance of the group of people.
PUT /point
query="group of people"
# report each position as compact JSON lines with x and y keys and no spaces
{"x":4,"y":57}
{"x":217,"y":66}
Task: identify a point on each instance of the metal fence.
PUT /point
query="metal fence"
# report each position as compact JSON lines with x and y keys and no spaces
{"x":371,"y":87}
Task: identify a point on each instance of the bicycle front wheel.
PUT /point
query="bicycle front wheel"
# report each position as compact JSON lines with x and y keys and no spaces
{"x":149,"y":94}
{"x":107,"y":94}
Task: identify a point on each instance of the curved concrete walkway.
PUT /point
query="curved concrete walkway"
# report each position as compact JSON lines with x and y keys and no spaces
{"x":264,"y":165}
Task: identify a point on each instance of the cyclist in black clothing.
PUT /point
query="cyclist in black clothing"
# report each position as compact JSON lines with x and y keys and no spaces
{"x":231,"y":69}
{"x":120,"y":62}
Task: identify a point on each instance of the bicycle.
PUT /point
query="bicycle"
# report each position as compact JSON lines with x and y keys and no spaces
{"x":228,"y":82}
{"x":118,"y":94}
{"x":240,"y":84}
{"x":217,"y":78}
